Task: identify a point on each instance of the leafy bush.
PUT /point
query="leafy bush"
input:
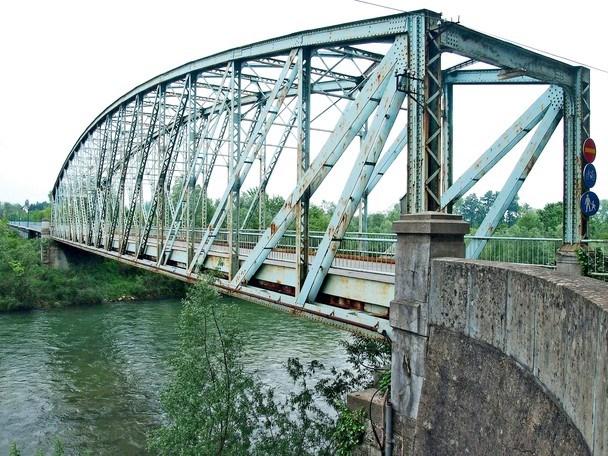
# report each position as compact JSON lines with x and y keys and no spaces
{"x":350,"y":430}
{"x":214,"y":407}
{"x":25,"y":283}
{"x":58,"y":449}
{"x":594,"y":262}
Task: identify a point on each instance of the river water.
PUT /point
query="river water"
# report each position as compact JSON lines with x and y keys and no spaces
{"x":92,"y":376}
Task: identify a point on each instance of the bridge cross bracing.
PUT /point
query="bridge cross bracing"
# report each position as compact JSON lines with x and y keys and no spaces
{"x":173,"y":176}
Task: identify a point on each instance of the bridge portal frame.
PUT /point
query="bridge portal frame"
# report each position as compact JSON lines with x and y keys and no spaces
{"x":233,"y":104}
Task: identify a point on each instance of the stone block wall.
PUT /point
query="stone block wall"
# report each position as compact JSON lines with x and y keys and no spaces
{"x":492,"y":358}
{"x":478,"y":401}
{"x":515,"y":362}
{"x":553,"y":326}
{"x":373,"y":404}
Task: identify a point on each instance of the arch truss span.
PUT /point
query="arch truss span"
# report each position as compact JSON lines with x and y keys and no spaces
{"x":175,"y":175}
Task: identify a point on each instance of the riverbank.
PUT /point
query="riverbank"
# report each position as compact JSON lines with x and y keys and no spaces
{"x":27,"y":284}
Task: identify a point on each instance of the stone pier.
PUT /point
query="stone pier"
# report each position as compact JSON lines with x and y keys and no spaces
{"x":490,"y":358}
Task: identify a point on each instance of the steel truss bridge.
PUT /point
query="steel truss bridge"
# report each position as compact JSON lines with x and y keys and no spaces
{"x":138,"y":184}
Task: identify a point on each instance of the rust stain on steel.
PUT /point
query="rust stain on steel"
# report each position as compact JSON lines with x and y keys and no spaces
{"x":343,"y":303}
{"x":273,"y":286}
{"x":299,"y":309}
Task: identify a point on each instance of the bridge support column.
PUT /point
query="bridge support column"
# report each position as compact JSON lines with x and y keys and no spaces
{"x":51,"y":253}
{"x":233,"y":223}
{"x":566,"y":260}
{"x":45,"y":234}
{"x":420,"y":238}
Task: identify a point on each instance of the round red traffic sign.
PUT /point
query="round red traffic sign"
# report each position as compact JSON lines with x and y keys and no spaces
{"x":589,"y":150}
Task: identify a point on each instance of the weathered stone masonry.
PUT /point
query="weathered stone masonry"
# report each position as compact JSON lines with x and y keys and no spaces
{"x":492,"y":358}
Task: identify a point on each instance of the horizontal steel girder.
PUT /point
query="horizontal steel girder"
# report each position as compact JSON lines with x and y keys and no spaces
{"x":485,"y":48}
{"x":487,"y":77}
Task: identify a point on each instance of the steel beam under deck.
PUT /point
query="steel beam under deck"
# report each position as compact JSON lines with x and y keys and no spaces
{"x":368,"y":320}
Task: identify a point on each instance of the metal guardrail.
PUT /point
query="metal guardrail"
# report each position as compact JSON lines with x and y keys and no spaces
{"x":34,"y":226}
{"x":542,"y":251}
{"x":358,"y":251}
{"x":596,"y":258}
{"x":522,"y":250}
{"x":375,"y":252}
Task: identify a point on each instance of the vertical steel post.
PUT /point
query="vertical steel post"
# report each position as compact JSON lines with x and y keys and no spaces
{"x":233,"y":159}
{"x":448,"y":140}
{"x":424,"y":114}
{"x":95,"y":221}
{"x":576,"y":130}
{"x":363,"y":204}
{"x":416,"y":27}
{"x":162,"y":147}
{"x":190,"y":155}
{"x":203,"y":153}
{"x":302,"y":163}
{"x":138,"y":194}
{"x":262,"y":190}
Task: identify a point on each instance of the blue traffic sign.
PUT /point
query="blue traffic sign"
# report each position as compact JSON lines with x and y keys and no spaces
{"x":590,"y":204}
{"x":589,"y":175}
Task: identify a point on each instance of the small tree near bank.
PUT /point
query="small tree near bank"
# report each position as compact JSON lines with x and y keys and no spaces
{"x":214,"y":407}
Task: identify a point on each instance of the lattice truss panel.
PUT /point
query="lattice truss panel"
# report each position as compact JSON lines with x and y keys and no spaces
{"x":183,"y":163}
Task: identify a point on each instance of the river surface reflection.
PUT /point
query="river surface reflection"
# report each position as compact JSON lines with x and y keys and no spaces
{"x":92,"y":376}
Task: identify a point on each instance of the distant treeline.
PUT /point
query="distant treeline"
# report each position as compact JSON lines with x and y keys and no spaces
{"x":519,"y":219}
{"x":26,"y":284}
{"x":35,"y":212}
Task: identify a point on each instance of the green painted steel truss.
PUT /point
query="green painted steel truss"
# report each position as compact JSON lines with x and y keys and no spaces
{"x":138,"y":181}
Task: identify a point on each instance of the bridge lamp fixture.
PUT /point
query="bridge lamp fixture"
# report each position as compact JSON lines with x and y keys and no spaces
{"x":404,"y":84}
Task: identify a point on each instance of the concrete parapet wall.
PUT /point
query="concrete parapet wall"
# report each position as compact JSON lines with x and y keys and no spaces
{"x":555,"y":327}
{"x":492,"y":358}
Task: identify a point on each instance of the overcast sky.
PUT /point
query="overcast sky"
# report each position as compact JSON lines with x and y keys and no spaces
{"x":63,"y":62}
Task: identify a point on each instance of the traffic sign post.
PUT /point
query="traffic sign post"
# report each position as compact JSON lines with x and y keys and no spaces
{"x":589,"y":176}
{"x":590,"y":203}
{"x":589,"y":150}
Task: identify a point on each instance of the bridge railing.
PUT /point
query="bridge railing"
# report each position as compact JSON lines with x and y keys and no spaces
{"x":542,"y":251}
{"x":34,"y":226}
{"x":595,"y":258}
{"x":522,"y":250}
{"x":375,"y":252}
{"x":358,"y":251}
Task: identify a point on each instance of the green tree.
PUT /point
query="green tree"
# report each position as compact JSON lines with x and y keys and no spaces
{"x":207,"y":403}
{"x":599,"y":222}
{"x":26,"y":283}
{"x":550,"y":218}
{"x":474,"y":209}
{"x":471,"y":209}
{"x":214,"y":407}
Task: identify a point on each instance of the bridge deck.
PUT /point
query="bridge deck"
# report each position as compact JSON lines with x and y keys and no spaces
{"x":350,"y":282}
{"x":29,"y":226}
